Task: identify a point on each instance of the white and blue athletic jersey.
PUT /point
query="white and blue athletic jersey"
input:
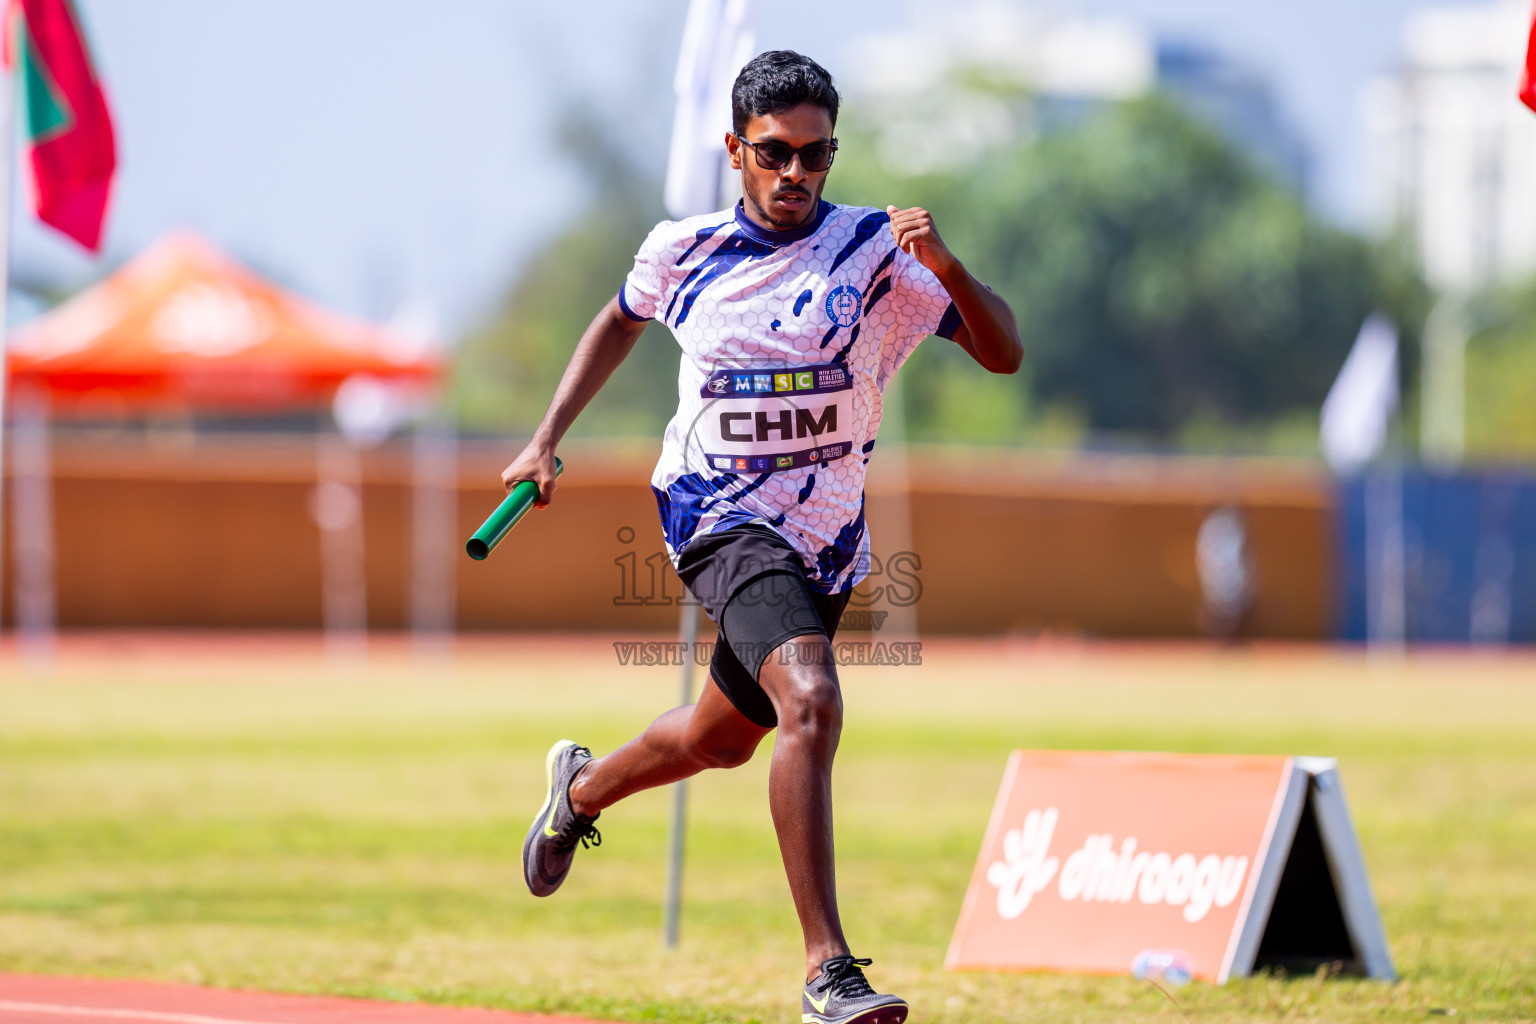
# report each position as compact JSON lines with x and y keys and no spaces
{"x":788,"y":339}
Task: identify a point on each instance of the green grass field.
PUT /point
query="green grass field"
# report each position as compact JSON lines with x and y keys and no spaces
{"x":252,"y":817}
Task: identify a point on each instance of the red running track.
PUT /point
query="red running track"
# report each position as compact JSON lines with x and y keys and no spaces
{"x":38,"y":999}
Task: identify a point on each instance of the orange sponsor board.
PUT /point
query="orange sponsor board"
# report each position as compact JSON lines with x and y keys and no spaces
{"x":1092,"y":858}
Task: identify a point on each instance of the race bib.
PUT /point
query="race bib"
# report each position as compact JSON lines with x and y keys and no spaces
{"x":769,"y":420}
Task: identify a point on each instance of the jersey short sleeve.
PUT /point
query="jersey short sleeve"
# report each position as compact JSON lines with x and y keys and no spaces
{"x":926,"y":302}
{"x":641,"y":292}
{"x":923,"y":306}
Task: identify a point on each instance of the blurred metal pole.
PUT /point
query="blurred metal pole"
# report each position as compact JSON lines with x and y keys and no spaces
{"x":672,"y":901}
{"x":7,"y":108}
{"x":1386,"y":602}
{"x":718,"y":38}
{"x":32,"y":528}
{"x":1493,"y":564}
{"x":338,"y":511}
{"x":1443,"y":425}
{"x":434,"y":534}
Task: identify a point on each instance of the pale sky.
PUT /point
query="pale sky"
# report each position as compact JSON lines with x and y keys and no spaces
{"x":367,"y":152}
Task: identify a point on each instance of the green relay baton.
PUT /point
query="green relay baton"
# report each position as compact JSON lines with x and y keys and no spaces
{"x":512,"y":508}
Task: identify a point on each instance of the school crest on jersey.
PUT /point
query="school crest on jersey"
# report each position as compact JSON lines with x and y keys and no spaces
{"x":844,"y":304}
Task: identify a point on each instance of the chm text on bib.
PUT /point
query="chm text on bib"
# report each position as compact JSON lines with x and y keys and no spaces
{"x":766,"y":420}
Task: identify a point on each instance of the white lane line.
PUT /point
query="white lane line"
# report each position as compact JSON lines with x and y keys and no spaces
{"x":63,"y":1010}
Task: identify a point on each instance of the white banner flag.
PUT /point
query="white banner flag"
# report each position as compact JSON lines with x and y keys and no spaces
{"x":717,"y":40}
{"x":1360,"y":404}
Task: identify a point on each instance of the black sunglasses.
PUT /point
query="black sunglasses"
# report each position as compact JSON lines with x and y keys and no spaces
{"x":775,"y":156}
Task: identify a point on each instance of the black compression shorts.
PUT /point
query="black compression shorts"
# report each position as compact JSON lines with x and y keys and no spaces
{"x":753,"y":585}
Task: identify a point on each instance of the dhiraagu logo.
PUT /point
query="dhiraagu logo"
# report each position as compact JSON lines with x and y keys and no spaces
{"x":844,"y":304}
{"x":1098,"y":873}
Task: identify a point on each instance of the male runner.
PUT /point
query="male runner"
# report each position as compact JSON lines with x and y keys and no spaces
{"x":792,"y":315}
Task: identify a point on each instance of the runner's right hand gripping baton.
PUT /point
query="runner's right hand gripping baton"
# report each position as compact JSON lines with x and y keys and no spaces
{"x":512,"y":508}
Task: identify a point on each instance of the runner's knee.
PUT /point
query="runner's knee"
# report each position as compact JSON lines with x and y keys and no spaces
{"x":809,"y":699}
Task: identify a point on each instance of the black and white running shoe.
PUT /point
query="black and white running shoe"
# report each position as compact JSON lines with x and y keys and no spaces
{"x":552,"y":839}
{"x":841,"y":994}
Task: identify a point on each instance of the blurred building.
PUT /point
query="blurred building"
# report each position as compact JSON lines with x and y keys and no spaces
{"x":1452,"y":150}
{"x":993,"y":71}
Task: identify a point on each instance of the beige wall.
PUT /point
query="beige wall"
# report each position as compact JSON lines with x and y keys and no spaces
{"x":218,"y":534}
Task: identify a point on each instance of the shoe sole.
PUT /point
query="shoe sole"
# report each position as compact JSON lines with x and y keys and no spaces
{"x":549,"y":800}
{"x":891,"y":1013}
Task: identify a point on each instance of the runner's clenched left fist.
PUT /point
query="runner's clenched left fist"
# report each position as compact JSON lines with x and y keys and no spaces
{"x":918,"y":237}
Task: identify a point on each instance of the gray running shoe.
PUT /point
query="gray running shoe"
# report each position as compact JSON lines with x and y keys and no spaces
{"x":551,"y":842}
{"x":840,"y":994}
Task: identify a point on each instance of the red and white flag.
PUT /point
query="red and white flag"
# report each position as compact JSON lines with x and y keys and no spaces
{"x":64,"y":117}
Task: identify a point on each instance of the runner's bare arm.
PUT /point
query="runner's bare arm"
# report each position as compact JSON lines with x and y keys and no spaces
{"x":987,"y":330}
{"x":603,"y":346}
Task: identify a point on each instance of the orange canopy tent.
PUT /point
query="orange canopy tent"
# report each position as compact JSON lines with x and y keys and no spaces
{"x":184,"y":326}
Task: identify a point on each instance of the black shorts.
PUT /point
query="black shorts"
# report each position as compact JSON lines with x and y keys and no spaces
{"x":753,"y":585}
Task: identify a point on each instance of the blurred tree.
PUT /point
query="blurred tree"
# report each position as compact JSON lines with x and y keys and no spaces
{"x":1159,"y":278}
{"x":1500,"y":371}
{"x":507,"y":372}
{"x":1164,"y":287}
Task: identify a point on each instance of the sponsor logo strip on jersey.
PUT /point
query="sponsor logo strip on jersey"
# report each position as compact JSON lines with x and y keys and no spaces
{"x":780,"y":461}
{"x":817,"y":379}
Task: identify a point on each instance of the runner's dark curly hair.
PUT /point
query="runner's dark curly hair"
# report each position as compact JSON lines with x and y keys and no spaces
{"x":775,"y":81}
